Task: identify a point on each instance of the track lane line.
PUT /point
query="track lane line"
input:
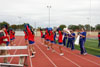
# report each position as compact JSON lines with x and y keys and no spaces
{"x":82,"y":57}
{"x":15,"y":51}
{"x":30,"y":58}
{"x":65,"y":57}
{"x":46,"y":56}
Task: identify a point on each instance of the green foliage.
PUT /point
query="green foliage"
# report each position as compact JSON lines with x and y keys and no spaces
{"x":3,"y":23}
{"x":80,"y":26}
{"x":98,"y":27}
{"x":73,"y":27}
{"x":62,"y":26}
{"x":87,"y":26}
{"x":14,"y":26}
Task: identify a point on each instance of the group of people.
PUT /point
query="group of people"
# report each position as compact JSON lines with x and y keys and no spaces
{"x":7,"y":36}
{"x":50,"y":37}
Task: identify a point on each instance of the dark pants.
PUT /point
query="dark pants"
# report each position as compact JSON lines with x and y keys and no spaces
{"x":69,"y":42}
{"x":82,"y":48}
{"x":64,"y":41}
{"x":72,"y":44}
{"x":99,"y":44}
{"x":55,"y":40}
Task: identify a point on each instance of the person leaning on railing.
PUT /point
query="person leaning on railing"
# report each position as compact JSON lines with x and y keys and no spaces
{"x":3,"y":41}
{"x":99,"y":39}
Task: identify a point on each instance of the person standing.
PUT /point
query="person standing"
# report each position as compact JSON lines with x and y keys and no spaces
{"x":52,"y":40}
{"x":82,"y":41}
{"x":99,"y":39}
{"x":31,"y":39}
{"x":60,"y":40}
{"x":72,"y":39}
{"x":11,"y":37}
{"x":69,"y":41}
{"x":55,"y":37}
{"x":3,"y":42}
{"x":26,"y":37}
{"x":41,"y":31}
{"x":65,"y":38}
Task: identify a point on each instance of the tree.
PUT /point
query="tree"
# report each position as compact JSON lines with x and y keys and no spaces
{"x":14,"y":27}
{"x":87,"y":26}
{"x":73,"y":27}
{"x":62,"y":27}
{"x":80,"y":26}
{"x":3,"y":23}
{"x":97,"y":27}
{"x":38,"y":29}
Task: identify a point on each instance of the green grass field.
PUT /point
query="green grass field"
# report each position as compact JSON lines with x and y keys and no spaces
{"x":91,"y":46}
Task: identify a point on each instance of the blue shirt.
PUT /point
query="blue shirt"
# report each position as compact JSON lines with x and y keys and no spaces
{"x":73,"y":38}
{"x":83,"y":38}
{"x":65,"y":34}
{"x":69,"y":36}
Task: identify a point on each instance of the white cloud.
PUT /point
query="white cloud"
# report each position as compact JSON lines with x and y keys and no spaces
{"x":62,"y":12}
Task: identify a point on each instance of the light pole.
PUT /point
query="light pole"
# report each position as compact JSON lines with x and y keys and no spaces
{"x":49,"y":15}
{"x":19,"y":22}
{"x":90,"y":17}
{"x":35,"y":28}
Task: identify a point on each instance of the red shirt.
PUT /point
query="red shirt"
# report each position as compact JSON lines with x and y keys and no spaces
{"x":99,"y":37}
{"x":41,"y":33}
{"x":11,"y":35}
{"x":26,"y":36}
{"x":60,"y":37}
{"x":52,"y":36}
{"x":7,"y":35}
{"x":1,"y":39}
{"x":30,"y":35}
{"x":47,"y":35}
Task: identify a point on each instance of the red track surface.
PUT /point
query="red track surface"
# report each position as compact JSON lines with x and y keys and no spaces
{"x":46,"y":58}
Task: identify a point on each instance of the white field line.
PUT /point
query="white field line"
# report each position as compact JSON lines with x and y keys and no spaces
{"x":30,"y":58}
{"x":46,"y":56}
{"x":15,"y":50}
{"x":67,"y":59}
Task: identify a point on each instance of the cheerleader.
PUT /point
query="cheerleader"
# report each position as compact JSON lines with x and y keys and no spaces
{"x":31,"y":39}
{"x":60,"y":40}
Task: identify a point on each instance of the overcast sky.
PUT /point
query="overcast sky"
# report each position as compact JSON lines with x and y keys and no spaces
{"x":62,"y":12}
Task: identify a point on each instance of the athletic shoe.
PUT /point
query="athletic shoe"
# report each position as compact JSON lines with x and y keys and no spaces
{"x":32,"y":55}
{"x":61,"y":54}
{"x":34,"y":52}
{"x":53,"y":50}
{"x":48,"y":48}
{"x":84,"y":53}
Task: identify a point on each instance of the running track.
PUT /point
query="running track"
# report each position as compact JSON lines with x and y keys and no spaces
{"x":46,"y":58}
